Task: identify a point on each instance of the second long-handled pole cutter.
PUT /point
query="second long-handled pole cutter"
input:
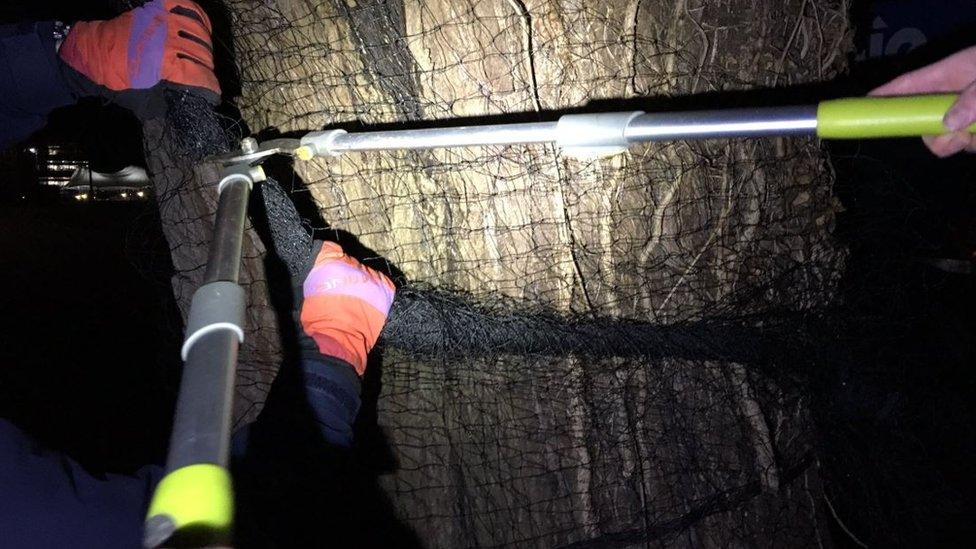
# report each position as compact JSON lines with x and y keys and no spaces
{"x":193,"y":503}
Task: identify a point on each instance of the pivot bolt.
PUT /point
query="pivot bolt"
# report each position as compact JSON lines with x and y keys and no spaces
{"x":249,"y":145}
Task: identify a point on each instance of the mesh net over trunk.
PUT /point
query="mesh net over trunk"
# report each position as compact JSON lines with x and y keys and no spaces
{"x":582,"y":352}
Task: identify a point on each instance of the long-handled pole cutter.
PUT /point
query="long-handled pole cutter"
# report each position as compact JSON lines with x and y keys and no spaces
{"x":194,"y":500}
{"x":603,"y":134}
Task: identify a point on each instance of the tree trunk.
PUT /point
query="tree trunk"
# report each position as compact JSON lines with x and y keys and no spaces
{"x":516,"y":450}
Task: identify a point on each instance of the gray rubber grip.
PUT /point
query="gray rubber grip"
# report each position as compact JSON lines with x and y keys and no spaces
{"x":215,"y":306}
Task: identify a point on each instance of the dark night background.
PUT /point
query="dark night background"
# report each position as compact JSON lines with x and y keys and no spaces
{"x":89,"y":333}
{"x":89,"y":327}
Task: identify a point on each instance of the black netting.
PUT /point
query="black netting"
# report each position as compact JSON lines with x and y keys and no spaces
{"x":611,"y":352}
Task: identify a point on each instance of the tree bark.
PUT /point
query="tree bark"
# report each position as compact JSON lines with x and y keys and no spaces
{"x":520,"y":450}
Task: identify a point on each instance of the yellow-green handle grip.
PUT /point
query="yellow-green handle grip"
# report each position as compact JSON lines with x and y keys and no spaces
{"x":879,"y":117}
{"x":197,"y":500}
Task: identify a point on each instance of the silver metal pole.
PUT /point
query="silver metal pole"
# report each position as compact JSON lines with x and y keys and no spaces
{"x":757,"y":122}
{"x":579,"y":134}
{"x":202,"y":421}
{"x":201,"y":427}
{"x":224,"y":259}
{"x":432,"y":138}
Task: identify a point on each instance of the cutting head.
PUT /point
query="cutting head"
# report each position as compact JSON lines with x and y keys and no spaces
{"x":253,"y":153}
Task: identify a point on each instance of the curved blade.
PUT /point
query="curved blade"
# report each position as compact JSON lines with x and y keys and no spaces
{"x":268,"y":148}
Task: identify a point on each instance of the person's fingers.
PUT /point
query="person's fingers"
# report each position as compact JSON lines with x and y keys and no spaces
{"x":960,"y":117}
{"x":193,"y":51}
{"x":949,"y":75}
{"x":932,"y":79}
{"x":963,"y":112}
{"x":971,"y":148}
{"x":908,"y":83}
{"x":949,"y":144}
{"x":190,"y":10}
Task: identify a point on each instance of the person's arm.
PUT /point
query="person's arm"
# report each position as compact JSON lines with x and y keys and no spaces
{"x":954,"y":74}
{"x":131,"y":60}
{"x":49,"y":500}
{"x":31,"y":82}
{"x":343,"y":307}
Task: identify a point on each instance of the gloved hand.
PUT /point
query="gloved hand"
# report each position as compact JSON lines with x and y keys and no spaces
{"x":956,"y":73}
{"x":345,"y":305}
{"x":133,"y":58}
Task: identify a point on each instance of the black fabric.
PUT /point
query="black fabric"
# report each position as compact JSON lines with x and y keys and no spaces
{"x":196,"y":127}
{"x":323,"y":395}
{"x":147,"y":104}
{"x":292,"y":242}
{"x":31,"y":82}
{"x":87,"y":10}
{"x":50,"y":501}
{"x":297,"y":484}
{"x":291,"y":236}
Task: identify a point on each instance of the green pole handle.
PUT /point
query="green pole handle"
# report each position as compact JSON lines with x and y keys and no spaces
{"x":879,"y":117}
{"x":197,"y":500}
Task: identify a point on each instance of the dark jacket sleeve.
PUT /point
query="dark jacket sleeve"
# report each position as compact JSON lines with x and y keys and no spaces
{"x":49,"y":500}
{"x":333,"y":392}
{"x":309,"y":406}
{"x":31,"y":82}
{"x":294,"y":473}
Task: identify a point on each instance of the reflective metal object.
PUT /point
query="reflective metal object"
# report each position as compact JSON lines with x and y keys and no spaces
{"x":715,"y":124}
{"x":251,"y":152}
{"x":249,"y":145}
{"x":461,"y":136}
{"x":757,"y":122}
{"x":202,"y":420}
